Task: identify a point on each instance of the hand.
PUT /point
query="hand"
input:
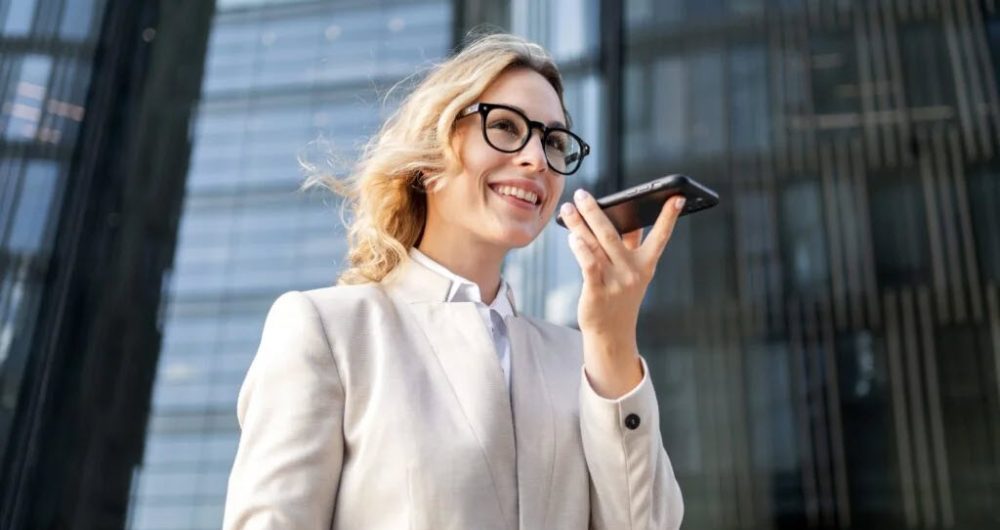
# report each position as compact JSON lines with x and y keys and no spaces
{"x":616,"y":273}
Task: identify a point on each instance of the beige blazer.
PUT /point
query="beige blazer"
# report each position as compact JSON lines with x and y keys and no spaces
{"x":381,"y":406}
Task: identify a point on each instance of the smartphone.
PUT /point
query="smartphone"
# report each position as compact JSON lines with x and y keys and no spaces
{"x":639,"y":206}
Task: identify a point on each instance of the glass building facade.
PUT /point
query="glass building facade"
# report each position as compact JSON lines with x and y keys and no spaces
{"x":283,"y":80}
{"x":93,"y":127}
{"x":825,"y":343}
{"x":45,"y":69}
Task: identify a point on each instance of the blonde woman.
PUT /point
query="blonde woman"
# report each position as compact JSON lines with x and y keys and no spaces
{"x":413,"y":395}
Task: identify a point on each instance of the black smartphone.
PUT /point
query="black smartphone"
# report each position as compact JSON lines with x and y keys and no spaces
{"x":639,"y":206}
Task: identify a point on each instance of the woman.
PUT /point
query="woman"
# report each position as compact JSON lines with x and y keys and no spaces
{"x":413,"y":395}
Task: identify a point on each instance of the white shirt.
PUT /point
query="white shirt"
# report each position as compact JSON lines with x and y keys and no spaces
{"x":493,"y":315}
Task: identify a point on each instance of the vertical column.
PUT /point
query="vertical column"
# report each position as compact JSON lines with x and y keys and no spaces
{"x":611,"y":59}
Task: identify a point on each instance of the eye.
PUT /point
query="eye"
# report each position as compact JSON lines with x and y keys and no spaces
{"x":506,"y":125}
{"x":557,"y":142}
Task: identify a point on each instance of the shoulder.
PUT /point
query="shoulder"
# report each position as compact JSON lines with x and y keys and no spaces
{"x":341,"y":304}
{"x":336,"y":313}
{"x":326,"y":298}
{"x":345,"y":295}
{"x":317,"y":306}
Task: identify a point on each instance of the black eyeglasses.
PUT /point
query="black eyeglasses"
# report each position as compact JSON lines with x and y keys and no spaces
{"x":508,"y":130}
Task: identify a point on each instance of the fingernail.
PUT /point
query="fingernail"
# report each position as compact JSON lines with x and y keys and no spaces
{"x":580,"y":194}
{"x":566,"y":209}
{"x":680,"y":203}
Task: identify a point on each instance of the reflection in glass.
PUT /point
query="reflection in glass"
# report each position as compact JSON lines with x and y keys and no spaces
{"x":280,"y":81}
{"x":823,"y":342}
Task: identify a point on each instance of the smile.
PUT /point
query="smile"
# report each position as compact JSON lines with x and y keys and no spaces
{"x":524,"y":200}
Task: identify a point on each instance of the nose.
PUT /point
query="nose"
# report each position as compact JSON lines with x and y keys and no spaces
{"x":532,"y":155}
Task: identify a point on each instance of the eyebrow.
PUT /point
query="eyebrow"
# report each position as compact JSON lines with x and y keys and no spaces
{"x":554,"y":123}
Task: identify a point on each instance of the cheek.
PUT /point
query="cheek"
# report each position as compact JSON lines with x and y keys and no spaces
{"x":451,"y":194}
{"x":556,"y":189}
{"x":479,"y":159}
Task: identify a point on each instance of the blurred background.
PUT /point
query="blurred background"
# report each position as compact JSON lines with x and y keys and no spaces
{"x":825,"y":344}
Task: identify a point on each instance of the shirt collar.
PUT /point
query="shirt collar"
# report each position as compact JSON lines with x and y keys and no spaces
{"x":465,"y":290}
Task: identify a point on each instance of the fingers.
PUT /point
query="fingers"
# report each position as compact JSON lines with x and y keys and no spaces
{"x":632,"y":239}
{"x":596,"y":243}
{"x":600,"y":226}
{"x":577,"y":226}
{"x":589,"y":260}
{"x":658,"y":236}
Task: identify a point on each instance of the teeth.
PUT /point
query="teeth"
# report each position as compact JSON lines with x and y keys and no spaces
{"x":517,"y":192}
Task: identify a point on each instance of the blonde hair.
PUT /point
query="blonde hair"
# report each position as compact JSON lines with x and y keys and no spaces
{"x":412,"y":153}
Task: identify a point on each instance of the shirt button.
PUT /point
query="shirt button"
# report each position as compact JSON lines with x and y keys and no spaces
{"x":632,"y":421}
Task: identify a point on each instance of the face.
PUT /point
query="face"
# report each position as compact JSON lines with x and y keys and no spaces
{"x":474,"y":207}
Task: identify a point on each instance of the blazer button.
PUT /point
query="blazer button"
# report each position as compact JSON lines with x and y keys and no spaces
{"x":632,"y":421}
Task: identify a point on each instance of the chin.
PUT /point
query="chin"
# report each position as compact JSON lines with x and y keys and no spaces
{"x":519,"y":238}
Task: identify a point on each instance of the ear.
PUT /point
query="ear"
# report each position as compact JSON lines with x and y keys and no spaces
{"x":453,"y":150}
{"x":417,"y":182}
{"x":433,"y":184}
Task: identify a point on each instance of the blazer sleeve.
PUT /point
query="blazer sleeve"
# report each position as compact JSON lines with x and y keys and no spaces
{"x":632,"y":484}
{"x":290,"y":410}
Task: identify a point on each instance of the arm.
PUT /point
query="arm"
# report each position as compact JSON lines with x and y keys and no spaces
{"x":290,"y":409}
{"x":632,"y":484}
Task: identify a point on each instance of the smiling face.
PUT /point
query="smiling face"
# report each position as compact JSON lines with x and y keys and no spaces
{"x":483,"y":206}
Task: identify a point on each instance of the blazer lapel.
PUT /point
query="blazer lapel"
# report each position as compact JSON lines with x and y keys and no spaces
{"x":467,"y":356}
{"x":534,"y":425}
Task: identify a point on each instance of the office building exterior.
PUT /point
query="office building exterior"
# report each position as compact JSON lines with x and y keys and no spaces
{"x":283,"y":81}
{"x":95,"y":100}
{"x":825,"y":343}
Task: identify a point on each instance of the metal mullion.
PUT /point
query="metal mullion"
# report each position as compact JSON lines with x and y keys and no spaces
{"x":820,"y":425}
{"x":901,"y":421}
{"x":965,"y":223}
{"x":958,"y":70}
{"x":870,"y":273}
{"x":932,"y":382}
{"x":851,"y":232}
{"x":865,"y":81}
{"x":948,"y":230}
{"x":896,"y":75}
{"x":611,"y":53}
{"x":975,"y":78}
{"x":835,"y":255}
{"x":884,"y":79}
{"x":800,"y":397}
{"x":776,"y":94}
{"x":736,"y":349}
{"x":978,"y":30}
{"x":827,"y":345}
{"x":925,"y":170}
{"x":911,"y":361}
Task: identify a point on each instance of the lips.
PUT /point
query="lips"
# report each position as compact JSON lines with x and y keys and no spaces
{"x":516,"y":201}
{"x":511,"y":191}
{"x":522,"y":184}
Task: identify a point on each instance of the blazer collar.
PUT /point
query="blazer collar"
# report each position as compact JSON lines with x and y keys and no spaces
{"x":465,"y":352}
{"x":515,"y":427}
{"x":414,"y":282}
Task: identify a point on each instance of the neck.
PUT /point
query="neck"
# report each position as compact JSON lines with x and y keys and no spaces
{"x":480,"y":263}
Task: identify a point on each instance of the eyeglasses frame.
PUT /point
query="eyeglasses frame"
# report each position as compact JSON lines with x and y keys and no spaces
{"x":484,"y":108}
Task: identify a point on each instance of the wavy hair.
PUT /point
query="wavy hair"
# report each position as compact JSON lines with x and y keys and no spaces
{"x":411,"y":153}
